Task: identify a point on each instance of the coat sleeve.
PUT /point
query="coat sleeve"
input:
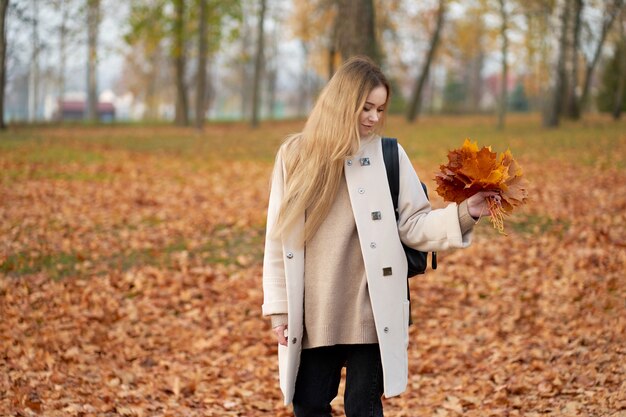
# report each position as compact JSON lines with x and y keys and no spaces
{"x":274,"y":285}
{"x":419,"y":226}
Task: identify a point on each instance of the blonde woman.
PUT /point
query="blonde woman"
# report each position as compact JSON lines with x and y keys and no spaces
{"x":334,"y":272}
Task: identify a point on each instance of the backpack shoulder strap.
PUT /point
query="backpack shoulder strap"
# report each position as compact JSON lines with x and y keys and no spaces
{"x":392,"y":166}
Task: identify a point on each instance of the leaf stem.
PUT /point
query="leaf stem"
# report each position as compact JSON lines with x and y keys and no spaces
{"x":497,"y":215}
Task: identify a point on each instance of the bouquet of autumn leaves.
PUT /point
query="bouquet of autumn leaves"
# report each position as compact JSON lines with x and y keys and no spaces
{"x":470,"y":170}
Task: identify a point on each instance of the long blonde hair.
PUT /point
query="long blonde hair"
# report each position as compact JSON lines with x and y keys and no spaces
{"x":314,"y":158}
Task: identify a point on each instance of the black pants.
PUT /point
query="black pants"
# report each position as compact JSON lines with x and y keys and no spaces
{"x":319,"y":375}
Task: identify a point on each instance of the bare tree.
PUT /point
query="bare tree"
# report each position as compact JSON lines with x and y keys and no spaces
{"x":555,"y":104}
{"x":4,"y":5}
{"x":62,"y":49}
{"x":245,"y":63}
{"x":416,"y":97}
{"x":332,"y":48}
{"x":505,"y":67}
{"x":538,"y":50}
{"x":258,"y":65}
{"x":303,"y":85}
{"x":474,"y":63}
{"x":33,"y":78}
{"x":572,"y":109}
{"x":202,"y":58}
{"x":271,"y":69}
{"x":180,"y":63}
{"x":612,"y":10}
{"x":618,"y":103}
{"x":93,"y":25}
{"x":65,"y":33}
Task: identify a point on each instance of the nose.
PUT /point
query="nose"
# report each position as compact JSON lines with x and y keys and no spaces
{"x":374,"y":117}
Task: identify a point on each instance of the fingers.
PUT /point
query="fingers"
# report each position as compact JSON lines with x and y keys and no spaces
{"x":490,"y":193}
{"x":479,"y":204}
{"x":494,"y":195}
{"x":497,"y":198}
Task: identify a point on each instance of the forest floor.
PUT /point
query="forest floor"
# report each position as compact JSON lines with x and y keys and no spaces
{"x":130,"y":275}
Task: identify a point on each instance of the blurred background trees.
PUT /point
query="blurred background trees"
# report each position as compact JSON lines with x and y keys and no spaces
{"x":197,"y":60}
{"x":4,"y":5}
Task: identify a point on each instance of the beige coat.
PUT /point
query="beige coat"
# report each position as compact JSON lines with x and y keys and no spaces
{"x":385,"y":262}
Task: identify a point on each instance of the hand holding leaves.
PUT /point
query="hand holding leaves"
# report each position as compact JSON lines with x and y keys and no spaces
{"x":470,"y":170}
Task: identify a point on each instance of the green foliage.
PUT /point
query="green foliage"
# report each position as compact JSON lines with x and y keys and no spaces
{"x":454,"y":95}
{"x":397,"y":105}
{"x":610,"y":80}
{"x":518,"y":100}
{"x":146,"y":24}
{"x":154,"y":22}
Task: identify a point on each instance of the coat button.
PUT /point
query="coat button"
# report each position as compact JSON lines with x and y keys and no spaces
{"x":289,"y":255}
{"x":376,"y":215}
{"x":386,"y":330}
{"x":294,"y":340}
{"x":373,"y":245}
{"x":364,"y":161}
{"x":361,"y":190}
{"x":349,"y":162}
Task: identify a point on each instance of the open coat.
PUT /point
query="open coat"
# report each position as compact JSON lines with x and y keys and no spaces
{"x":385,"y":262}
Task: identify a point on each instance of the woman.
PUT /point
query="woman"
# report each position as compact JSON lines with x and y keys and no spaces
{"x":334,"y":273}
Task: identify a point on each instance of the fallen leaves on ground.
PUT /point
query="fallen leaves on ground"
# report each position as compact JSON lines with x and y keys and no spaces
{"x":139,"y":294}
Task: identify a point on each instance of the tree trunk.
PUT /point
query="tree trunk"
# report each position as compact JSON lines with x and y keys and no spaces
{"x":572,"y":109}
{"x":246,"y":76}
{"x":272,"y":80}
{"x":475,"y":82}
{"x":303,"y":94}
{"x":93,"y":23}
{"x":33,"y":78}
{"x":258,"y":66}
{"x":555,"y":104}
{"x":368,"y":20}
{"x":63,"y":32}
{"x":621,"y":83}
{"x":609,"y":17}
{"x":532,"y":55}
{"x":4,"y":5}
{"x":356,"y":29}
{"x":151,"y":98}
{"x":416,"y":97}
{"x":537,"y":50}
{"x":505,"y":67}
{"x":180,"y":62}
{"x":271,"y":71}
{"x":202,"y":58}
{"x":332,"y":48}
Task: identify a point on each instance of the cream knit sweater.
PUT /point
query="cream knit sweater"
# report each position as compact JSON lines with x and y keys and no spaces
{"x":337,"y":307}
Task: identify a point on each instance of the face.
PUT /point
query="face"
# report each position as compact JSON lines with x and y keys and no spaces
{"x":372,"y":111}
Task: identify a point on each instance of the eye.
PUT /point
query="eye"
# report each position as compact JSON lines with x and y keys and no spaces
{"x":367,"y":108}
